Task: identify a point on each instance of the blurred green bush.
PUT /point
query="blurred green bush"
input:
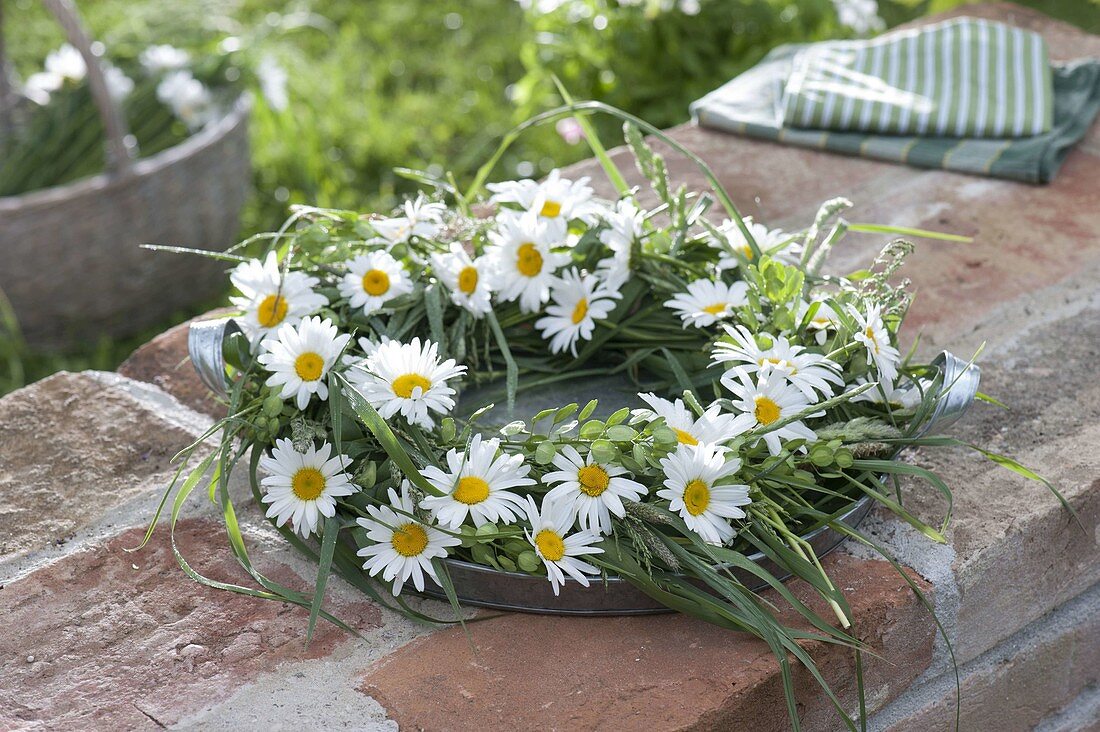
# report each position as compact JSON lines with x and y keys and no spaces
{"x":434,"y":84}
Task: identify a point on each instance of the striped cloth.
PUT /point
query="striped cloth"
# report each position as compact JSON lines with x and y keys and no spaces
{"x":961,"y":78}
{"x":752,"y":104}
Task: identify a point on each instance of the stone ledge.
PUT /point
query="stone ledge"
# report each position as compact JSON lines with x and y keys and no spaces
{"x":107,"y":639}
{"x":661,"y":672}
{"x":1030,"y":676}
{"x":83,"y":444}
{"x":164,"y":362}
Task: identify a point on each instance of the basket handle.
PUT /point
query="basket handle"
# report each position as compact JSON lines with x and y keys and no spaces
{"x":120,"y":152}
{"x":5,"y":83}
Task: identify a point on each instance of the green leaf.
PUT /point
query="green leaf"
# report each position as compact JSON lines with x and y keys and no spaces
{"x":545,"y":452}
{"x":385,"y":436}
{"x":591,"y":429}
{"x":588,"y":409}
{"x":604,"y":451}
{"x":621,"y":433}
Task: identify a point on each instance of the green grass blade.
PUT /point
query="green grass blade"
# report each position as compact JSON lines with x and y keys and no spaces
{"x":328,"y":547}
{"x":1016,"y":467}
{"x":608,"y":165}
{"x":907,"y":231}
{"x":385,"y":436}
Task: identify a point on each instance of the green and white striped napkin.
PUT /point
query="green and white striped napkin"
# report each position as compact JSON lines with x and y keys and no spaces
{"x":961,"y":78}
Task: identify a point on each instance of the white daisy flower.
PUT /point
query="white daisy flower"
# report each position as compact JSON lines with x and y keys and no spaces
{"x":67,"y":64}
{"x":119,"y":85}
{"x":624,"y":227}
{"x":555,"y":200}
{"x":300,"y":357}
{"x":303,"y":486}
{"x":160,"y":58}
{"x":824,"y":319}
{"x":478,"y":484}
{"x":578,"y":302}
{"x":187,"y":98}
{"x":468,"y":280}
{"x":403,"y":547}
{"x":713,"y":427}
{"x":766,"y":240}
{"x":907,"y":396}
{"x":691,"y":475}
{"x":372,"y":280}
{"x":422,"y":219}
{"x":859,"y":15}
{"x":408,"y":378}
{"x":269,"y":299}
{"x":872,"y":333}
{"x":765,"y":402}
{"x":273,"y":78}
{"x":811,"y":372}
{"x":706,"y":302}
{"x":522,"y":261}
{"x":591,"y":491}
{"x":368,"y":347}
{"x":559,"y":550}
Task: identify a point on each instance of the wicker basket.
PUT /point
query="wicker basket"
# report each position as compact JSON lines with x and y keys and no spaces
{"x":70,"y":256}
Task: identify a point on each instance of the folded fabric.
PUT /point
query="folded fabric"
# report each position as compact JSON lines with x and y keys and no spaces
{"x":751,"y":105}
{"x":961,"y":78}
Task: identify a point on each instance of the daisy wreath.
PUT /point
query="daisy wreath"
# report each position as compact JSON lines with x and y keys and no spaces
{"x":771,"y":396}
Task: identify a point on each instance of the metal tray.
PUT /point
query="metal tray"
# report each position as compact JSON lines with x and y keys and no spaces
{"x":476,"y":584}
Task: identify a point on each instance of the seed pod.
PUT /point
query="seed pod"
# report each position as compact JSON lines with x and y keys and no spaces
{"x":273,"y":406}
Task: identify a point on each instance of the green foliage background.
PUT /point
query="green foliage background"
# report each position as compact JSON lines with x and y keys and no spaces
{"x":433,"y":84}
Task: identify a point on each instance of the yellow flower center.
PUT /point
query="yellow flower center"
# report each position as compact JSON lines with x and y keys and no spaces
{"x":767,"y":411}
{"x":376,"y":282}
{"x":593,"y":480}
{"x":467,"y":280}
{"x":716,"y":309}
{"x":870,"y":332}
{"x":696,"y":496}
{"x":747,"y":251}
{"x":307,"y":484}
{"x":309,"y":366}
{"x":471,"y":490}
{"x":529,"y":262}
{"x":550,"y":545}
{"x":551,"y":210}
{"x":271,"y":311}
{"x":780,"y":362}
{"x":580,"y":311}
{"x":404,"y":384}
{"x":409,"y":540}
{"x":685,"y":438}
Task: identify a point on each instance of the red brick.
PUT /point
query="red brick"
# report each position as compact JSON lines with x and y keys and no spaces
{"x":164,"y":361}
{"x":655,"y":672}
{"x":105,"y":639}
